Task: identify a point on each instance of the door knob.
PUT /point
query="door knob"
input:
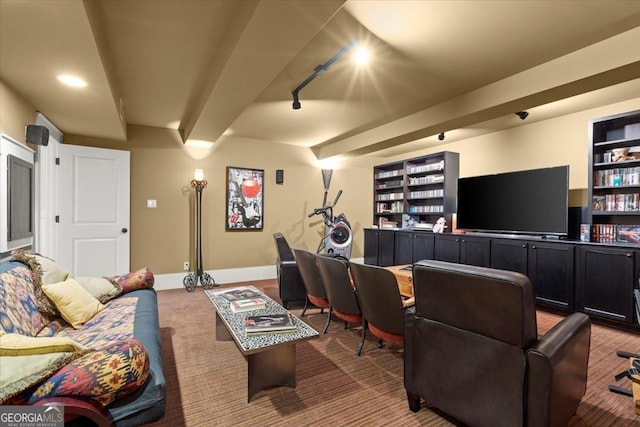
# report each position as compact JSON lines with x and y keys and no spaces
{"x":124,"y":230}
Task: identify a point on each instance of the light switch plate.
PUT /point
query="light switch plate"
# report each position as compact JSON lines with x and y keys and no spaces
{"x":152,"y":203}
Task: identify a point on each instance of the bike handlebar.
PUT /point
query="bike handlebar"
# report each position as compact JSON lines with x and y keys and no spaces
{"x":322,"y":210}
{"x":318,"y":211}
{"x":335,"y":202}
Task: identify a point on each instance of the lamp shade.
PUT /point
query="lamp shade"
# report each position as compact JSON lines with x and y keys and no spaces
{"x":198,"y":175}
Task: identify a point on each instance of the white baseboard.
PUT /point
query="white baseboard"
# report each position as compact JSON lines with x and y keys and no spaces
{"x":230,"y":275}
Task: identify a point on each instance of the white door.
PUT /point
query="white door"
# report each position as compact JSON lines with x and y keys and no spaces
{"x":94,"y":211}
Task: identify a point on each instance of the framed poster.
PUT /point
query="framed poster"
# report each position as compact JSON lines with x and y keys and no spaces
{"x":245,"y":199}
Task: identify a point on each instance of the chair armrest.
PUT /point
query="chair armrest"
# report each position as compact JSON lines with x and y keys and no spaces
{"x":557,"y":375}
{"x":80,"y":407}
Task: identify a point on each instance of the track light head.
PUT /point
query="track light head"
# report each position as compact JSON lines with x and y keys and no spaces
{"x":522,"y":114}
{"x":441,"y":136}
{"x":296,"y":101}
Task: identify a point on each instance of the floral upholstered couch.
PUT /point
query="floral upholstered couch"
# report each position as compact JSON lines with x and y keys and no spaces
{"x":79,"y":342}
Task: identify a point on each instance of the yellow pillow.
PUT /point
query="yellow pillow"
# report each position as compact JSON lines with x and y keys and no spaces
{"x":21,"y":345}
{"x":99,"y":287}
{"x":74,"y":303}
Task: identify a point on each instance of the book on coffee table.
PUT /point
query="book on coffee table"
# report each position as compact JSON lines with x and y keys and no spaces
{"x":237,"y":294}
{"x":269,"y":323}
{"x":240,"y":305}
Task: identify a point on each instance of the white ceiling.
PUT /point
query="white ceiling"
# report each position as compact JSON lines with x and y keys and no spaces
{"x":217,"y":68}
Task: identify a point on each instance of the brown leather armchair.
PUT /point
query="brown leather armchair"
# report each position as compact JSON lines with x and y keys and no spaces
{"x":290,"y":285}
{"x":472,"y":349}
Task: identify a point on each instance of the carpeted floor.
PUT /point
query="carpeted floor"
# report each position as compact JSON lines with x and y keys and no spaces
{"x":207,"y":380}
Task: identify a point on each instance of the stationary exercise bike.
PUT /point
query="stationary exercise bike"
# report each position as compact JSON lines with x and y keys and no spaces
{"x":339,"y":237}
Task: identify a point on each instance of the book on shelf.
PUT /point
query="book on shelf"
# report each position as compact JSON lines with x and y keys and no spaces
{"x":585,"y":232}
{"x":628,"y":234}
{"x":240,"y":305}
{"x":237,"y":294}
{"x":269,"y":323}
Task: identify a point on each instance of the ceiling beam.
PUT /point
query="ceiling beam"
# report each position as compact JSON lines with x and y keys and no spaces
{"x":248,"y":63}
{"x":603,"y":64}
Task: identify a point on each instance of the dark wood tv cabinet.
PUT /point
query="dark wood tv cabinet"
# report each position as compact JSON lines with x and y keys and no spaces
{"x":567,"y":275}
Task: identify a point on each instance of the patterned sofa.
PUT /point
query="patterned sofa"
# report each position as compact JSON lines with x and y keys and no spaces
{"x":90,"y":344}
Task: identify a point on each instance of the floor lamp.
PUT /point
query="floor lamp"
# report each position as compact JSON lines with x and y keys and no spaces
{"x":191,"y":280}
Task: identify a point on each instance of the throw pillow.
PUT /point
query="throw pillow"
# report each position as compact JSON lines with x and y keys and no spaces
{"x":104,"y":375}
{"x":100,"y":288}
{"x":20,"y":373}
{"x":21,"y":345}
{"x":76,"y":305}
{"x":51,"y":272}
{"x":140,"y":279}
{"x":43,"y":271}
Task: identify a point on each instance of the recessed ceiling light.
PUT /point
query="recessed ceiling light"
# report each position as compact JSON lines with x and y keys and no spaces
{"x":361,"y":56}
{"x":198,"y":143}
{"x":72,"y":81}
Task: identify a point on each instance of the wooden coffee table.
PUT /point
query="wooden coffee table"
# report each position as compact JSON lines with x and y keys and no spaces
{"x":404,"y":279}
{"x":271,"y":358}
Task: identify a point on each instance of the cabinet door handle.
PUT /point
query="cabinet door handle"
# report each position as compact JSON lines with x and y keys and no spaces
{"x":533,"y":247}
{"x":627,"y":254}
{"x":524,"y":246}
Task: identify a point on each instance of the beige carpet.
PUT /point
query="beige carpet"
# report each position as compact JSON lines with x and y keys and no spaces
{"x":206,"y":379}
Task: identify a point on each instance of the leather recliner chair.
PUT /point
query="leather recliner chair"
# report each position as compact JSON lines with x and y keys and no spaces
{"x":290,"y":285}
{"x":472,"y":349}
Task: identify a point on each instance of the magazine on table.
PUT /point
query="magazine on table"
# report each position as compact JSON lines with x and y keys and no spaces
{"x":268,"y":323}
{"x":238,"y":294}
{"x":248,"y":304}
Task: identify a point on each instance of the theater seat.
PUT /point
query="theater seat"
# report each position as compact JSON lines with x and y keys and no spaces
{"x":472,"y":349}
{"x":291,"y":288}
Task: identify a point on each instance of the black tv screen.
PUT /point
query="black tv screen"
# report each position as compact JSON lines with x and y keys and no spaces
{"x":524,"y":202}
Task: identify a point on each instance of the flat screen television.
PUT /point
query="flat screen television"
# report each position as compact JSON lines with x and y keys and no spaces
{"x":17,"y":190}
{"x":531,"y":202}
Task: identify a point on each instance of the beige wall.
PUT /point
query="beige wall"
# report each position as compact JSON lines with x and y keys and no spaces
{"x":554,"y":142}
{"x":161,"y":169}
{"x":15,"y":113}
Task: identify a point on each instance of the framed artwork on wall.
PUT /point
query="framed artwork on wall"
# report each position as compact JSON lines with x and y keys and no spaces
{"x":245,"y":199}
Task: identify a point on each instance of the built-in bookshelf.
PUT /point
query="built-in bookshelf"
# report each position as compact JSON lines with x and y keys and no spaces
{"x":614,"y":178}
{"x":422,"y":189}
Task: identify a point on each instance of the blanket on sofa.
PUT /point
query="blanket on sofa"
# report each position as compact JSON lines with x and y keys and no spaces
{"x":92,"y":350}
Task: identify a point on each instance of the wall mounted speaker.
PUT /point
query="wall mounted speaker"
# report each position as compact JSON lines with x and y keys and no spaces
{"x":279,"y":176}
{"x":38,"y":135}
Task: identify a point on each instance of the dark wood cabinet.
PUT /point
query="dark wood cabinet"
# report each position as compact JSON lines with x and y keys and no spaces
{"x":605,"y":281}
{"x":403,"y":248}
{"x":462,"y":249}
{"x":475,"y":251}
{"x":423,"y":246}
{"x":447,"y":248}
{"x":379,"y":247}
{"x":551,"y":268}
{"x":411,"y":247}
{"x":593,"y":278}
{"x":509,"y":254}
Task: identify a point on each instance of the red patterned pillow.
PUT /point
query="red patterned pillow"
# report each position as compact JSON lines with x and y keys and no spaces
{"x":104,"y":375}
{"x":141,"y":279}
